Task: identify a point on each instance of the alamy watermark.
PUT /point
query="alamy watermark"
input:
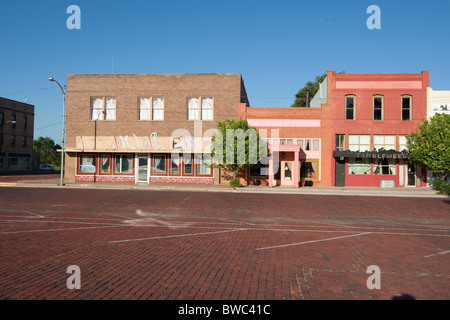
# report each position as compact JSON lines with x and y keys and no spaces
{"x":74,"y":281}
{"x":74,"y":20}
{"x":374,"y":281}
{"x":374,"y":21}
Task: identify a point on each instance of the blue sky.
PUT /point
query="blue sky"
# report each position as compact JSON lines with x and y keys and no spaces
{"x":277,"y":46}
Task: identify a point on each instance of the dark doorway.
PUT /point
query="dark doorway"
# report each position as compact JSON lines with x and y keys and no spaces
{"x":340,"y":173}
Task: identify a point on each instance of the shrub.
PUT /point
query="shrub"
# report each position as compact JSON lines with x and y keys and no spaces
{"x":235,"y":183}
{"x":442,"y":186}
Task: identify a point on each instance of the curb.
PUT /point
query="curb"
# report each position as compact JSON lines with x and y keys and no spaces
{"x":335,"y":191}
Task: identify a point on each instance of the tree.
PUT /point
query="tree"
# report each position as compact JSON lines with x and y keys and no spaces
{"x":47,"y":148}
{"x":236,"y":145}
{"x":430,"y":145}
{"x":312,"y":87}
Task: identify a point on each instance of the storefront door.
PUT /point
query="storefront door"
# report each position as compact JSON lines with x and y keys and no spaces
{"x":286,"y":173}
{"x":411,"y":174}
{"x":142,"y":172}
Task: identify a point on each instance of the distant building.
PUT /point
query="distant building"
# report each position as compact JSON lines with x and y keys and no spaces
{"x":438,"y":101}
{"x":16,"y":136}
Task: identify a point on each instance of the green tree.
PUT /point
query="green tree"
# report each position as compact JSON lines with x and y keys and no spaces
{"x":430,"y":145}
{"x":312,"y":87}
{"x":47,"y":148}
{"x":236,"y":145}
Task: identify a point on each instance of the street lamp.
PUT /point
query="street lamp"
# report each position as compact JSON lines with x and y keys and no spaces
{"x":63,"y":129}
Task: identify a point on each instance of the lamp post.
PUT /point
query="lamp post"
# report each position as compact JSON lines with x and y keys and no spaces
{"x":63,"y":129}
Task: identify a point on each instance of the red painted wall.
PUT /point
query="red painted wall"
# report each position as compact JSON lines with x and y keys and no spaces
{"x":364,"y":87}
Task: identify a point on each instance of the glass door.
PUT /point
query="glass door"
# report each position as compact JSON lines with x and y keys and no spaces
{"x":142,"y":171}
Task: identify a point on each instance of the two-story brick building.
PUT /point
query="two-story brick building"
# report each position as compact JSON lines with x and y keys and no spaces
{"x":371,"y":116}
{"x":147,"y":128}
{"x":16,"y":135}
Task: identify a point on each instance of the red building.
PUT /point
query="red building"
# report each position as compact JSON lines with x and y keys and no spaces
{"x":371,"y":116}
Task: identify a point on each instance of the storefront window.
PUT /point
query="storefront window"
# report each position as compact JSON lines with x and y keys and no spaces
{"x":106,"y":163}
{"x":384,"y":166}
{"x":309,"y":170}
{"x":87,"y":163}
{"x":187,"y":163}
{"x":124,"y":163}
{"x":175,"y":164}
{"x":159,"y":164}
{"x":358,"y":166}
{"x":203,"y":165}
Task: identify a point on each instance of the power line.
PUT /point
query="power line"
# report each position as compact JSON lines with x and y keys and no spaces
{"x":31,"y":90}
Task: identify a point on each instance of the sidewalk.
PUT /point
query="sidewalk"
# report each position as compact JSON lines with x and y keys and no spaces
{"x":342,"y":191}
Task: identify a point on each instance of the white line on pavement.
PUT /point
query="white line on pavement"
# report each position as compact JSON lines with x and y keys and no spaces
{"x":177,"y":236}
{"x":314,"y":241}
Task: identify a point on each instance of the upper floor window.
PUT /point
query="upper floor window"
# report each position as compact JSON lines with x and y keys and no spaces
{"x":359,"y":142}
{"x":2,"y":117}
{"x":203,"y":107}
{"x":24,"y":122}
{"x":378,"y":106}
{"x":350,"y":107}
{"x":13,"y":120}
{"x":104,"y":108}
{"x":406,"y":108}
{"x":207,"y":108}
{"x":385,"y":142}
{"x":151,"y":109}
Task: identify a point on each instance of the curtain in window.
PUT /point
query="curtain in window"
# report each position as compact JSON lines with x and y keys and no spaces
{"x":207,"y":108}
{"x":105,"y":164}
{"x":193,"y":109}
{"x":159,"y":164}
{"x":97,"y":109}
{"x":158,"y":108}
{"x":144,"y":109}
{"x":203,"y":166}
{"x":110,"y":109}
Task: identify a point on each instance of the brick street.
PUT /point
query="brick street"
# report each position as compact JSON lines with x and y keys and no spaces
{"x":137,"y":244}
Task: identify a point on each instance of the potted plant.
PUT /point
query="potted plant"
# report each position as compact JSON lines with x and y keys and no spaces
{"x":264,"y":182}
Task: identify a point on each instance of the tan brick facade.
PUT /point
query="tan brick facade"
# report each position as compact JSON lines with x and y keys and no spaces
{"x":127,"y":134}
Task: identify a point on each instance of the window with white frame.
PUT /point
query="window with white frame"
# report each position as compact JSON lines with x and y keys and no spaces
{"x":158,"y":109}
{"x":359,"y":142}
{"x":151,"y":108}
{"x":193,"y":109}
{"x":207,"y":108}
{"x":144,"y":109}
{"x":385,"y":142}
{"x":201,"y":108}
{"x":103,"y":108}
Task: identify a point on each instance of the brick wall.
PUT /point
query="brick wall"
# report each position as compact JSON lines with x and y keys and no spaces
{"x":226,"y":89}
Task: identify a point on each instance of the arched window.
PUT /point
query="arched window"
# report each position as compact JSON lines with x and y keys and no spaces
{"x":378,"y":107}
{"x":350,"y":105}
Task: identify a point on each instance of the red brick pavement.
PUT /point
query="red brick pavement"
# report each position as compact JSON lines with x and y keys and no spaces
{"x":220,"y":246}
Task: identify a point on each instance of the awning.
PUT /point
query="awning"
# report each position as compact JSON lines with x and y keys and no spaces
{"x":380,"y":154}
